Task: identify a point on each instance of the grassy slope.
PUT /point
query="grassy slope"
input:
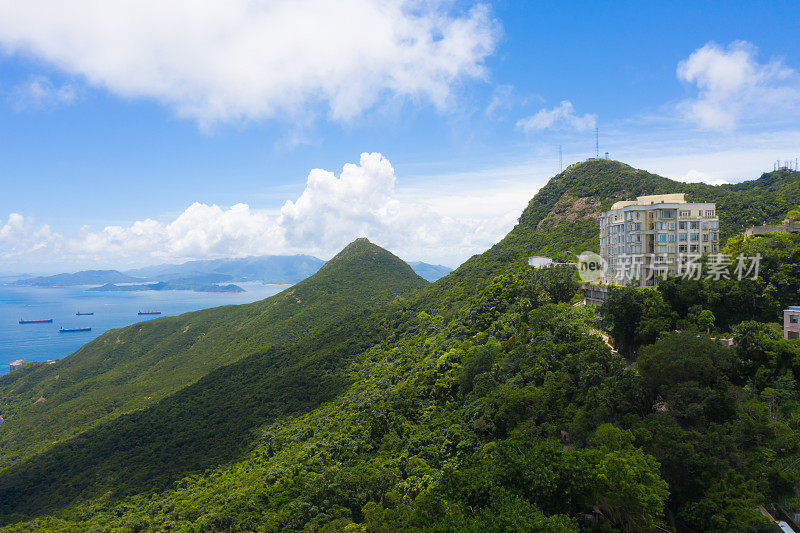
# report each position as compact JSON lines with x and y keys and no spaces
{"x":130,"y":368}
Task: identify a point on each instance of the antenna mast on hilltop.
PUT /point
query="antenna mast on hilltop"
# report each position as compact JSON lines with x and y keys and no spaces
{"x":597,"y":143}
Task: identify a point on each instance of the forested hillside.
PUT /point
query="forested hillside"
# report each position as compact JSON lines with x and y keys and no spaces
{"x":486,"y":401}
{"x":133,"y":367}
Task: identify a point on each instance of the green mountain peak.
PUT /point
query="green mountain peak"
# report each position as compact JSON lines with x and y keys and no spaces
{"x":370,"y":263}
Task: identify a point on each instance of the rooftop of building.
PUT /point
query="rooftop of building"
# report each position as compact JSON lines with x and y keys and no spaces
{"x":794,"y":308}
{"x":653,"y":199}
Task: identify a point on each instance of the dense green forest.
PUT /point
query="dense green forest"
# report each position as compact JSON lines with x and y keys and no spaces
{"x":486,"y":401}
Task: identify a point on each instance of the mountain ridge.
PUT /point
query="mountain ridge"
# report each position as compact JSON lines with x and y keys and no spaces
{"x":129,"y":368}
{"x":83,"y":277}
{"x":384,"y":413}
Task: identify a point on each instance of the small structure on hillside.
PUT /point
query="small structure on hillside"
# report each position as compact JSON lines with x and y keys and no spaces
{"x":539,"y":262}
{"x":595,"y":294}
{"x":789,"y":226}
{"x":19,"y":363}
{"x":791,"y":323}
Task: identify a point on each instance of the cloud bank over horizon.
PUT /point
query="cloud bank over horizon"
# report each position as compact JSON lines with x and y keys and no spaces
{"x":362,"y":201}
{"x":240,"y":60}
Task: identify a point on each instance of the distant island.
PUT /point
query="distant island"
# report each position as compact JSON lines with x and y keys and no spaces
{"x":84,"y":277}
{"x":175,"y":285}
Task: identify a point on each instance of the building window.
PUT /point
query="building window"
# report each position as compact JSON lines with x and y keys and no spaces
{"x":661,"y":248}
{"x":666,"y":214}
{"x":794,"y":319}
{"x":672,"y":238}
{"x":693,"y":248}
{"x":694,"y":237}
{"x":685,"y":214}
{"x":694,"y":225}
{"x":705,"y":237}
{"x":682,"y":237}
{"x":681,"y":225}
{"x":682,"y":248}
{"x":705,"y":225}
{"x":662,"y":237}
{"x":672,"y":249}
{"x":710,"y":214}
{"x":672,"y":226}
{"x":712,"y":224}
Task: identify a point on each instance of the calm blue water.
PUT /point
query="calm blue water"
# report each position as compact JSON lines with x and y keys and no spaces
{"x":41,"y":342}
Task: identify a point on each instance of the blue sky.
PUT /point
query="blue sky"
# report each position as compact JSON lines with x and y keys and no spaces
{"x":173,"y":133}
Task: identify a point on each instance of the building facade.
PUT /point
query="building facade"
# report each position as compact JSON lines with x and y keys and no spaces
{"x":595,"y":294}
{"x":791,"y":323}
{"x":19,"y":363}
{"x":646,"y":238}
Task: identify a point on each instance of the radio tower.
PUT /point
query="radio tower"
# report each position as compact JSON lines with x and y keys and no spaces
{"x":597,"y":143}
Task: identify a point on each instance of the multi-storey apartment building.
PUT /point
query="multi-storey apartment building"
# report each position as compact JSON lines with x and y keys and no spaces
{"x":645,"y":238}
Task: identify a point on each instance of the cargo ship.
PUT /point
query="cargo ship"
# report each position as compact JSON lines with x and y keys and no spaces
{"x":73,"y":330}
{"x":83,"y":314}
{"x":149,"y":312}
{"x":47,"y":321}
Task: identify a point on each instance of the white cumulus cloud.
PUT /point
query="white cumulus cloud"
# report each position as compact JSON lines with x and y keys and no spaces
{"x":697,"y":176}
{"x":561,"y":117}
{"x":238,"y":60}
{"x":333,"y":210}
{"x":21,"y":238}
{"x":733,"y":85}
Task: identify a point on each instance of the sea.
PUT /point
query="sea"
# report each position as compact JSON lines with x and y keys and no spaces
{"x":43,"y":342}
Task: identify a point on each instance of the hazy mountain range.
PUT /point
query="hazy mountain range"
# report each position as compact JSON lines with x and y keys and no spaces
{"x":201,"y":275}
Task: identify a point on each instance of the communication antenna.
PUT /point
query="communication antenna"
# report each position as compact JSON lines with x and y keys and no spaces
{"x":560,"y":161}
{"x":597,"y":143}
